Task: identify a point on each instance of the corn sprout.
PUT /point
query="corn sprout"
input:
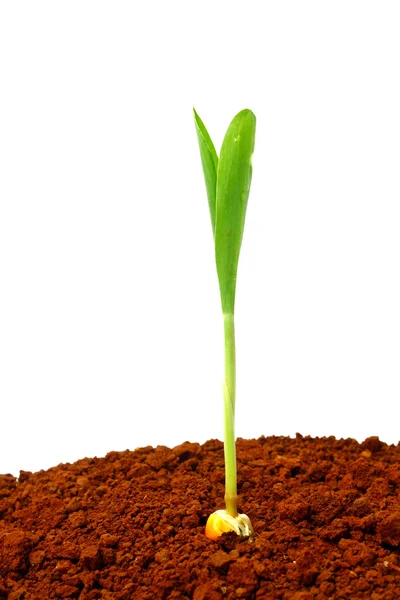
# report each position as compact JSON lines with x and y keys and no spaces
{"x":228,"y":185}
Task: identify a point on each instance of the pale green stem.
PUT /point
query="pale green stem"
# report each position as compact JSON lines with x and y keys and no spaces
{"x":229,"y":415}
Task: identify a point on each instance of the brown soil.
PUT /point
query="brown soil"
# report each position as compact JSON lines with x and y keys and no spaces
{"x":326,"y":514}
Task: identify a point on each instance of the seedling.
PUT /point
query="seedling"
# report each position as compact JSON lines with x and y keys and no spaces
{"x":228,"y":185}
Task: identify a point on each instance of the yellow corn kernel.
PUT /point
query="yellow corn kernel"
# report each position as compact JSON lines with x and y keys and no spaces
{"x":220,"y":522}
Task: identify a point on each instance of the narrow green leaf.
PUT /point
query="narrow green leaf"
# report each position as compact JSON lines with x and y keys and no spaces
{"x":209,"y":160}
{"x":233,"y":187}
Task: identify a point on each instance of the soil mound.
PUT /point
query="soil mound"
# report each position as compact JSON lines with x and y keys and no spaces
{"x":326,"y":515}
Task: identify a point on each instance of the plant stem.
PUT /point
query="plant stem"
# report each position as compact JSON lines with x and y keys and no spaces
{"x":229,"y":416}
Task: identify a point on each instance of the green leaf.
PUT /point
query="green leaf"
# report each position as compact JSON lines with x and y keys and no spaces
{"x":209,"y":160}
{"x":233,"y":187}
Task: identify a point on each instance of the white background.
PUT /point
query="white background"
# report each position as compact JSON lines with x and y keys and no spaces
{"x":110,"y":324}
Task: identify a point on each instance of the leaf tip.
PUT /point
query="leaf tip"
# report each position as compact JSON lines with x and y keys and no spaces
{"x":195,"y":115}
{"x":246,"y":112}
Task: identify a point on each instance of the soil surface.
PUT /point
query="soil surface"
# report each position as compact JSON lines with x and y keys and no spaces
{"x":326,"y":515}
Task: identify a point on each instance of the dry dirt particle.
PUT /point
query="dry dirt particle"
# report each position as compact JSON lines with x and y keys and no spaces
{"x":131,"y":525}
